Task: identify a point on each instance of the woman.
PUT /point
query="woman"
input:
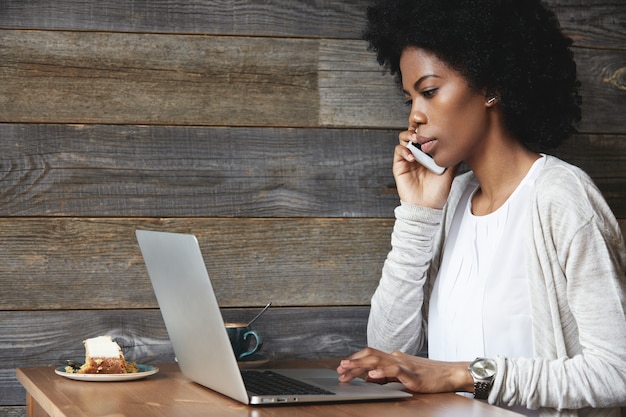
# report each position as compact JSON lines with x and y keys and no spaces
{"x":520,"y":260}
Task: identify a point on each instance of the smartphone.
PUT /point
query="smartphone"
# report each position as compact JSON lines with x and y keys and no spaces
{"x":425,"y":159}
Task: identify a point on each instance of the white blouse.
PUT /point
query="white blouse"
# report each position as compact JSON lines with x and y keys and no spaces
{"x":480,"y":304}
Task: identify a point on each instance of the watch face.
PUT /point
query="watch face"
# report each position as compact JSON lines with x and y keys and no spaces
{"x":484,"y":368}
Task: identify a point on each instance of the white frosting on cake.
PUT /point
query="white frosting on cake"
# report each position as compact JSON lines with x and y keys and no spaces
{"x":102,"y":347}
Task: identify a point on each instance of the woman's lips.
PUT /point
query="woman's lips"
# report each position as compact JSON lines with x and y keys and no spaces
{"x":427,"y":144}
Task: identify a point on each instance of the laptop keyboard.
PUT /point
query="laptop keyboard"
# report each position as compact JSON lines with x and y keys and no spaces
{"x":272,"y":383}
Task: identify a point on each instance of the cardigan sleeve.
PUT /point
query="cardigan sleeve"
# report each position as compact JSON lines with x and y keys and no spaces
{"x":577,"y":276}
{"x":399,"y":307}
{"x":396,"y":319}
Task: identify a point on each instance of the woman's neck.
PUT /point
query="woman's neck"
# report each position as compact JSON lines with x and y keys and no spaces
{"x":499,"y":170}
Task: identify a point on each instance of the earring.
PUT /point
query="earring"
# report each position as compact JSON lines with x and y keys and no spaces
{"x":492,"y":100}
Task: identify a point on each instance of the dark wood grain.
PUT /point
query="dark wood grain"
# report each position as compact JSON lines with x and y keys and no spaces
{"x":304,"y":18}
{"x":92,"y":77}
{"x":159,"y":171}
{"x":589,"y":24}
{"x":70,"y":77}
{"x":13,"y":411}
{"x":38,"y":339}
{"x":603,"y":83}
{"x":593,"y":24}
{"x":82,"y":263}
{"x":226,"y":81}
{"x":104,"y":170}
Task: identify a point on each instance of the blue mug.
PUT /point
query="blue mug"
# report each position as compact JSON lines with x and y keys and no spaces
{"x":241,"y":339}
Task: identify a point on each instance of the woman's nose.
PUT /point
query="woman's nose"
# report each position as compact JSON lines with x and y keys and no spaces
{"x":416,"y":117}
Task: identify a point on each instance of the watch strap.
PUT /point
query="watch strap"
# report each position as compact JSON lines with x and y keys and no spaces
{"x":482,"y":389}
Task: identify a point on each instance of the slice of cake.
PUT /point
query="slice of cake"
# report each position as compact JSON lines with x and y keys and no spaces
{"x":103,"y":356}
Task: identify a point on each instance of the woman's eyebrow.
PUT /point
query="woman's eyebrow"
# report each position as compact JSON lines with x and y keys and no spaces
{"x":417,"y":83}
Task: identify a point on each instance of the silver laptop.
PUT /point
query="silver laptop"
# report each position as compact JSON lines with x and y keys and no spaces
{"x":201,"y":345}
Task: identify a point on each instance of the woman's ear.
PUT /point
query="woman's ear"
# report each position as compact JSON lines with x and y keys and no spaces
{"x":492,"y":101}
{"x":491,"y":97}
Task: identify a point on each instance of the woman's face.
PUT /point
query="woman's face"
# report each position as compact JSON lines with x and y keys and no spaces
{"x":450,"y":118}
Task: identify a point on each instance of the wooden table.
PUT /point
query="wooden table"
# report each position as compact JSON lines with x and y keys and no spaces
{"x":168,"y":393}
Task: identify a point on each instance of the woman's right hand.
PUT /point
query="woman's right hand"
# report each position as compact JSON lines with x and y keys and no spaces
{"x":415,"y":373}
{"x":416,"y":184}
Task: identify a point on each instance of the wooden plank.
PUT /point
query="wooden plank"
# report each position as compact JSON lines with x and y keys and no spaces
{"x":225,"y":81}
{"x":95,"y":263}
{"x":603,"y":82}
{"x":49,"y":338}
{"x":164,"y":79}
{"x":601,"y":156}
{"x":97,"y":77}
{"x":158,"y":171}
{"x":16,"y":412}
{"x":104,"y":170}
{"x":354,"y":91}
{"x":590,"y":25}
{"x":83,"y":263}
{"x":303,"y":18}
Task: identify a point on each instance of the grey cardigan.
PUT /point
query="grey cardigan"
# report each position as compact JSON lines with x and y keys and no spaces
{"x":576,"y":257}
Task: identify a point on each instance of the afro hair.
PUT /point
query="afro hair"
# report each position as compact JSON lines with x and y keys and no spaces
{"x":511,"y":48}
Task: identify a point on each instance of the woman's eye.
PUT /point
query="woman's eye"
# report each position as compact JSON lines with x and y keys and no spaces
{"x":429,"y":93}
{"x":408,"y":102}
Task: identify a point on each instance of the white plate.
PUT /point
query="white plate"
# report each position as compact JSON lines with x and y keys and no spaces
{"x":144,"y":371}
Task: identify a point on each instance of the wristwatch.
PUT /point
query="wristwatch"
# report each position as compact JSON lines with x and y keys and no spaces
{"x":483,"y":371}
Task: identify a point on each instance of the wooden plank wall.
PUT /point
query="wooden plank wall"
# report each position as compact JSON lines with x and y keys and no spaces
{"x":264,"y":127}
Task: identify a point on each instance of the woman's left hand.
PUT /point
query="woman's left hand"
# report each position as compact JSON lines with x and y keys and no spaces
{"x":415,"y":373}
